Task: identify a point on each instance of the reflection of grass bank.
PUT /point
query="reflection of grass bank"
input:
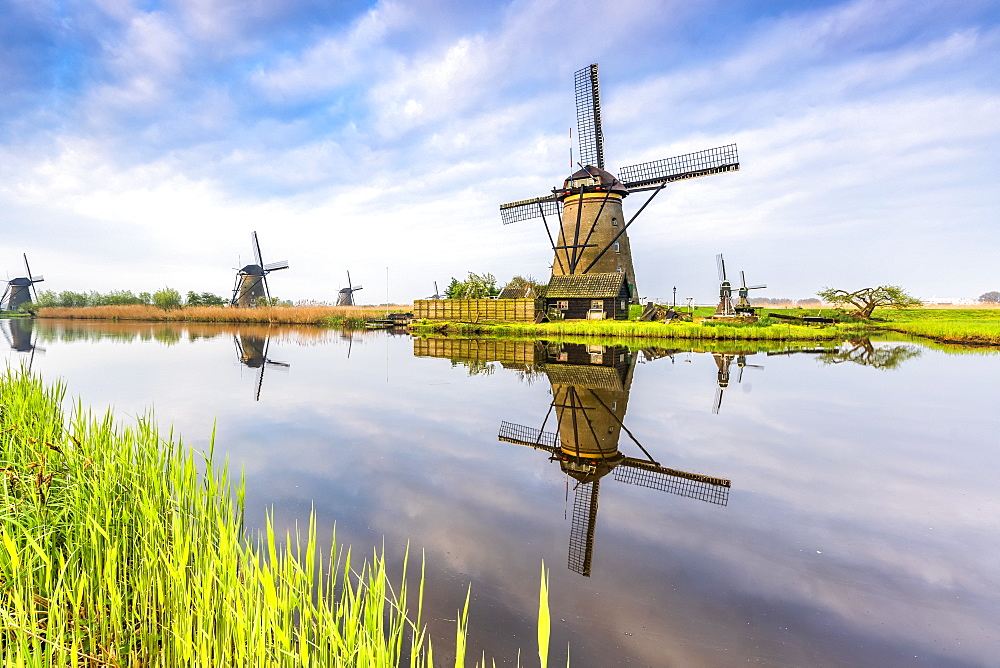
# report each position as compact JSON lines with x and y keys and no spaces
{"x":328,"y":316}
{"x":120,"y":548}
{"x":970,"y":327}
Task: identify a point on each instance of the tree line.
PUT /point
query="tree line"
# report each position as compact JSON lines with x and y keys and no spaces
{"x":164,"y":298}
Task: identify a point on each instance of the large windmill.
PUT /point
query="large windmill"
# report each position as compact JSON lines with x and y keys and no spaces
{"x":19,"y":290}
{"x":592,"y":236}
{"x":345,"y":296}
{"x":252,"y":351}
{"x":251,"y":280}
{"x":590,"y":388}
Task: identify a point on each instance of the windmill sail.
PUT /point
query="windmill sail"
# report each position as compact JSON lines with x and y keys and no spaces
{"x":688,"y":166}
{"x":583,"y":527}
{"x":588,"y":116}
{"x":526,"y":209}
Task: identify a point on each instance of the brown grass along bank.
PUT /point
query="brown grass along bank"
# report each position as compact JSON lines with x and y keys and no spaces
{"x":291,"y":315}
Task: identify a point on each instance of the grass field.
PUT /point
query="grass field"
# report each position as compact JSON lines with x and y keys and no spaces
{"x":328,"y":316}
{"x":120,"y":547}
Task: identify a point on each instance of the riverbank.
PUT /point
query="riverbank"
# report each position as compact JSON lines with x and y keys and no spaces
{"x":119,"y":546}
{"x":324,"y":316}
{"x":968,"y":327}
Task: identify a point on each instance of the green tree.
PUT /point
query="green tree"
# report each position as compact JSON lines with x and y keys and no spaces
{"x":454,"y":289}
{"x":866,"y":300}
{"x":167,"y":298}
{"x":47,"y":298}
{"x":203,"y":299}
{"x":479,"y":286}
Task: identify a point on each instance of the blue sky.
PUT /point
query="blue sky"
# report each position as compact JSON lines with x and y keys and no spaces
{"x":142,"y":142}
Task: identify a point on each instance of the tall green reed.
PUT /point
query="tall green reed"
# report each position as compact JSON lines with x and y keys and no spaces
{"x":119,"y":546}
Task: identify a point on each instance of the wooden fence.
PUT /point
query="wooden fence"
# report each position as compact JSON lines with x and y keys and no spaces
{"x":475,"y":310}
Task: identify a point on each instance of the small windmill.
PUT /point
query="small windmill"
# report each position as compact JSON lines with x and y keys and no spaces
{"x":437,"y":293}
{"x":724,"y":361}
{"x":345,"y":296}
{"x":589,"y":401}
{"x":19,"y":290}
{"x":251,"y":280}
{"x":725,"y":308}
{"x":588,"y":206}
{"x":743,"y":306}
{"x":252,"y":352}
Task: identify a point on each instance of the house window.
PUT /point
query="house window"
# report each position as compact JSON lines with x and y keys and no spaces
{"x":614,"y":406}
{"x":562,"y":305}
{"x":596,"y":304}
{"x":617,"y":248}
{"x":623,"y":304}
{"x":562,"y":357}
{"x":619,"y":270}
{"x":614,"y":222}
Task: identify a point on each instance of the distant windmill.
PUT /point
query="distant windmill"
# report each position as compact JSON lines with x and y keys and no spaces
{"x":588,"y":206}
{"x":252,"y":352}
{"x":437,"y":293}
{"x":724,"y":361}
{"x":590,"y":388}
{"x":725,"y":307}
{"x":251,"y":280}
{"x":19,"y":290}
{"x":743,"y":306}
{"x":345,"y":297}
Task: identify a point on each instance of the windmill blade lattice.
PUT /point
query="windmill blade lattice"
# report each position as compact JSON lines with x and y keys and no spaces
{"x":691,"y":485}
{"x":526,"y":209}
{"x":688,"y":166}
{"x":721,"y":265}
{"x":588,"y":116}
{"x":582,"y":529}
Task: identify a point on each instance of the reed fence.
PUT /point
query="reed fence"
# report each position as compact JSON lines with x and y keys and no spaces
{"x":475,"y":310}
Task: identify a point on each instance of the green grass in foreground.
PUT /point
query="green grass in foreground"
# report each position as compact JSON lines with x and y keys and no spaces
{"x":115,"y":550}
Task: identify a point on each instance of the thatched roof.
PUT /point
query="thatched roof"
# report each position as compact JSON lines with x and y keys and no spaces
{"x":587,"y":286}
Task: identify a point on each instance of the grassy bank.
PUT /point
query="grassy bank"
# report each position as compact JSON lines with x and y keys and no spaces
{"x":328,"y":316}
{"x":119,"y":547}
{"x":642,"y":330}
{"x":967,"y":326}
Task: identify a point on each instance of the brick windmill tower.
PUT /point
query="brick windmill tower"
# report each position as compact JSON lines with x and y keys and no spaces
{"x":592,"y":236}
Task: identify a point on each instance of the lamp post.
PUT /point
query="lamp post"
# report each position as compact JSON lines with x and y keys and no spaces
{"x":675,"y":296}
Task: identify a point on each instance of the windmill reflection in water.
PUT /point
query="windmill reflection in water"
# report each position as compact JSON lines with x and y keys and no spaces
{"x":22,"y":337}
{"x":251,"y":349}
{"x":590,"y":391}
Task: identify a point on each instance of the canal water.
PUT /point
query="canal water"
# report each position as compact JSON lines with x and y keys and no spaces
{"x":802,"y":505}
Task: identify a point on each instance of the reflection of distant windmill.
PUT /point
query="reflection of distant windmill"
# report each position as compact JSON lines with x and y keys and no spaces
{"x":19,"y":290}
{"x":252,"y":351}
{"x":590,"y":388}
{"x":21,"y":336}
{"x":723,"y":361}
{"x":345,"y":297}
{"x":251,"y":280}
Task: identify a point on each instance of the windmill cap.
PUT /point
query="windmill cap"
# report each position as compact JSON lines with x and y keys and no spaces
{"x":20,"y":281}
{"x":608,"y":181}
{"x":252,"y":270}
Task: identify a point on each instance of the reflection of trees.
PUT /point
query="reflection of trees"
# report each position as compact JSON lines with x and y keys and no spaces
{"x":862,"y":351}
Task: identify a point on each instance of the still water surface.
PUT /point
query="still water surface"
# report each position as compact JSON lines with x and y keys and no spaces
{"x":805,"y":507}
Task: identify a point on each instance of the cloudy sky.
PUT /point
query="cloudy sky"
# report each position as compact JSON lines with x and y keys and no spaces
{"x":141,"y":142}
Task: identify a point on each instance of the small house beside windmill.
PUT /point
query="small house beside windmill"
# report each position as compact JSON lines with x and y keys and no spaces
{"x":588,"y":296}
{"x":251,"y":280}
{"x":345,"y":296}
{"x":592,"y":235}
{"x":19,"y":290}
